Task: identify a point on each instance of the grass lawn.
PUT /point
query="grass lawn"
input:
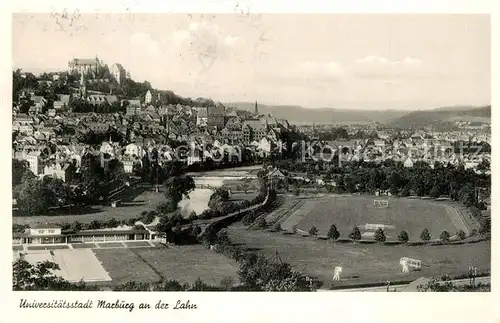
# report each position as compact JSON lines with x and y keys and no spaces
{"x":137,"y":244}
{"x":187,"y":263}
{"x":123,"y":266}
{"x":83,"y":245}
{"x":364,"y":263}
{"x":145,"y":201}
{"x":183,"y":263}
{"x":404,"y":214}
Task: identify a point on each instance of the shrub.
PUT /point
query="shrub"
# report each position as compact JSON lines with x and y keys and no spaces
{"x":403,"y":236}
{"x":333,"y":233}
{"x":262,"y":223}
{"x":405,"y":192}
{"x":196,"y":230}
{"x":227,"y":283}
{"x":379,"y":235}
{"x":425,"y":235}
{"x":484,"y":225}
{"x":445,"y":236}
{"x":313,"y":231}
{"x":461,"y":234}
{"x":294,"y":228}
{"x":193,"y":216}
{"x":247,"y":219}
{"x":277,"y":227}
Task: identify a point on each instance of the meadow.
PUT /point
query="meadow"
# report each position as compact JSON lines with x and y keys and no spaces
{"x":362,"y":263}
{"x":183,"y":263}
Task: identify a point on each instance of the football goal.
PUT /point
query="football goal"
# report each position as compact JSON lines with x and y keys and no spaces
{"x":380,"y":203}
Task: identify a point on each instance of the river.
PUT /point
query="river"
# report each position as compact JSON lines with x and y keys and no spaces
{"x":198,"y":199}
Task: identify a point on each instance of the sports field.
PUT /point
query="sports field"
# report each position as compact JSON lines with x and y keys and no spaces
{"x":183,"y":263}
{"x":412,"y":215}
{"x":75,"y":265}
{"x":363,"y":263}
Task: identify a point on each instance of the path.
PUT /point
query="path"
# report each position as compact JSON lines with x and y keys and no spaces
{"x":401,"y":287}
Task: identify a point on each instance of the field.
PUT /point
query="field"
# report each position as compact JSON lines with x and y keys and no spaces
{"x":183,"y":263}
{"x":363,"y":263}
{"x":123,"y":265}
{"x":412,"y":215}
{"x":145,"y":200}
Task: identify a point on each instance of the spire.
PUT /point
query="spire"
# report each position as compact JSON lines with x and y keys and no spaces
{"x":256,"y":108}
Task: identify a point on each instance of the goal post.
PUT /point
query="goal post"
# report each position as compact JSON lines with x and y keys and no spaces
{"x":380,"y":203}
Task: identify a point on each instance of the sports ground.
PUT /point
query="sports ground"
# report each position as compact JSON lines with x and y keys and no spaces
{"x":363,"y":263}
{"x":346,"y":212}
{"x":366,"y":263}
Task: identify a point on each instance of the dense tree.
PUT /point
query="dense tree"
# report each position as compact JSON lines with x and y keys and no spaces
{"x":38,"y":277}
{"x":484,"y":225}
{"x":355,"y":234}
{"x":20,"y":169}
{"x":177,"y":187}
{"x":31,"y":198}
{"x":333,"y":233}
{"x":461,"y":234}
{"x":403,"y":236}
{"x":379,"y":235}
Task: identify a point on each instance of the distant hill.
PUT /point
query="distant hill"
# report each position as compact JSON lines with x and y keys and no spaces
{"x":418,"y":119}
{"x":300,"y":115}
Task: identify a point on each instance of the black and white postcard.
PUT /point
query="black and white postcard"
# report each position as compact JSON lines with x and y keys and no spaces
{"x":247,"y":150}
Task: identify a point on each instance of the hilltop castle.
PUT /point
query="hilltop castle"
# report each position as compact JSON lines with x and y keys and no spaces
{"x":90,"y":67}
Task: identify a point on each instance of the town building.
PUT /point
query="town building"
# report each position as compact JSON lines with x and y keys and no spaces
{"x":35,"y":162}
{"x":215,"y":117}
{"x":148,"y":97}
{"x":118,"y":73}
{"x":50,"y":234}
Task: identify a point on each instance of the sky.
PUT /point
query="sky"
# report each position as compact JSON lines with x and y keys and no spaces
{"x":356,"y":61}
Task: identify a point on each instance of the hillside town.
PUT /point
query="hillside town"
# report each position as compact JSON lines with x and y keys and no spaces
{"x":64,"y":114}
{"x":60,"y":111}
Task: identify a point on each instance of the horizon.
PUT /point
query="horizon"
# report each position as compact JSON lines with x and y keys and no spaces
{"x":394,"y":60}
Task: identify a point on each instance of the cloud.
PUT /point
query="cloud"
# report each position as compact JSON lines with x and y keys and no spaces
{"x":383,"y":69}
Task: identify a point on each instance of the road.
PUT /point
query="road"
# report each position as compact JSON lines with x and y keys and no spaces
{"x":399,"y":288}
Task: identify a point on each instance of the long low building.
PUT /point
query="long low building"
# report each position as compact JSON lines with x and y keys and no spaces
{"x":49,"y":234}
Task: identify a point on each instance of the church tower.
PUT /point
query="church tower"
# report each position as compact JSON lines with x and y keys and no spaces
{"x":256,"y":109}
{"x":83,"y":86}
